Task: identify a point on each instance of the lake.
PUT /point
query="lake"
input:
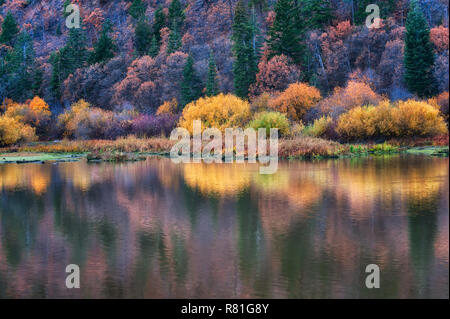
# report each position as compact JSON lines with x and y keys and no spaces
{"x":155,"y":229}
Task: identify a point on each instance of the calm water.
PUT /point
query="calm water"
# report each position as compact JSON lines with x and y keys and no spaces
{"x":154,"y":229}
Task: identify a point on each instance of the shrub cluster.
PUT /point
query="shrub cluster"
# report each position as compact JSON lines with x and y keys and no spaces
{"x":403,"y":119}
{"x":270,"y":120}
{"x":220,"y":111}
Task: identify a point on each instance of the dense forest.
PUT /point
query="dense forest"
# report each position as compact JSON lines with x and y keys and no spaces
{"x":139,"y":55}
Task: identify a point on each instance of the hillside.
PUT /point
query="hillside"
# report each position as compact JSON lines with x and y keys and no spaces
{"x":335,"y":46}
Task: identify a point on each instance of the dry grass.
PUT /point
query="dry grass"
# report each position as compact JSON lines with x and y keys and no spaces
{"x":128,"y":144}
{"x":309,"y":147}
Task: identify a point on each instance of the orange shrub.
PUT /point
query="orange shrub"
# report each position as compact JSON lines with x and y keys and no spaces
{"x":168,"y":107}
{"x":220,"y":111}
{"x":353,"y":95}
{"x":296,"y":100}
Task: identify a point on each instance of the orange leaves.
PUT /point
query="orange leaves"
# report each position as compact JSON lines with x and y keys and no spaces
{"x":439,"y":37}
{"x":168,"y":107}
{"x":37,"y":104}
{"x":274,"y":75}
{"x":353,"y":95}
{"x":296,"y":100}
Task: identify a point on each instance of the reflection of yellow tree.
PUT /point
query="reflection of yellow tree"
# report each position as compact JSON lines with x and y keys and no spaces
{"x":222,"y":179}
{"x":30,"y":176}
{"x":362,"y":183}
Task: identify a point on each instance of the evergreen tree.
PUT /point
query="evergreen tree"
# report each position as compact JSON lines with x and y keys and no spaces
{"x":191,"y":88}
{"x":174,"y":42}
{"x":9,"y":30}
{"x":287,"y":32}
{"x":105,"y":47}
{"x":20,"y":68}
{"x":154,"y":47}
{"x":212,"y":86}
{"x":137,"y":9}
{"x":244,"y":66}
{"x":72,"y":56}
{"x":143,"y":37}
{"x":159,"y":23}
{"x":419,"y":56}
{"x":176,"y":15}
{"x":319,"y":13}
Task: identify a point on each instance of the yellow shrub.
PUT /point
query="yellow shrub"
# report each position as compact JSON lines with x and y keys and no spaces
{"x":220,"y":111}
{"x":13,"y":131}
{"x":357,"y":123}
{"x":404,"y":119}
{"x":168,"y":107}
{"x":418,"y":118}
{"x":36,"y":113}
{"x":296,"y":100}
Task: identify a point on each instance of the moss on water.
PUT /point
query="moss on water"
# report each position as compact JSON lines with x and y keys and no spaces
{"x":429,"y":150}
{"x":24,"y":157}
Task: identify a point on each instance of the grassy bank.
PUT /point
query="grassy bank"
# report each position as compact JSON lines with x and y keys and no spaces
{"x":134,"y":149}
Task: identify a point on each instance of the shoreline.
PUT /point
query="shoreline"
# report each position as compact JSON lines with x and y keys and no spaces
{"x":132,"y":149}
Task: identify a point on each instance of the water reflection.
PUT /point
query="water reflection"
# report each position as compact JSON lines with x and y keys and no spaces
{"x":155,"y":230}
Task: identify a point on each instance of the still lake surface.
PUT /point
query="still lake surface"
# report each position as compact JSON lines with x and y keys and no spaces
{"x":155,"y":229}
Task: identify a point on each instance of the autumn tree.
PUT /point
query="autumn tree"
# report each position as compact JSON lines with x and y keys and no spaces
{"x":191,"y":88}
{"x":105,"y":47}
{"x":419,"y":56}
{"x":244,"y":66}
{"x":9,"y":30}
{"x":212,"y":86}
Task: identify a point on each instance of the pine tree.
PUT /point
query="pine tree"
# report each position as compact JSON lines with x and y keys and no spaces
{"x":174,"y":42}
{"x":72,"y":56}
{"x":244,"y":66}
{"x":20,"y":67}
{"x":160,"y":22}
{"x":137,"y":9}
{"x":191,"y":88}
{"x":154,"y":47}
{"x":287,"y":32}
{"x":319,"y":13}
{"x":212,"y":86}
{"x":143,"y":37}
{"x":419,"y":56}
{"x":105,"y":47}
{"x":176,"y":15}
{"x":9,"y":30}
